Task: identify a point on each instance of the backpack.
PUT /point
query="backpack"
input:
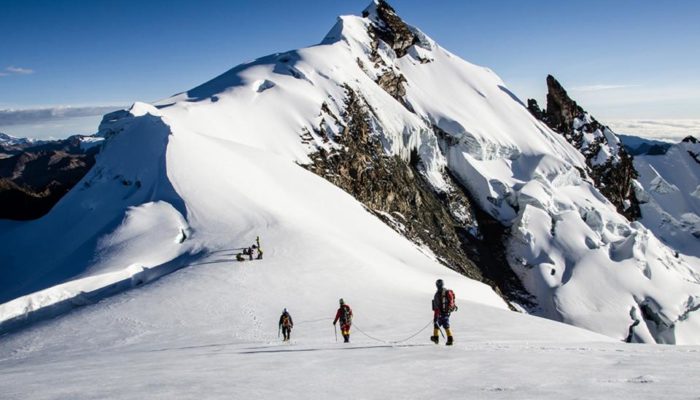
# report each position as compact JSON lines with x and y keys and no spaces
{"x":285,"y":320}
{"x":446,"y":301}
{"x":450,"y":300}
{"x":345,"y":316}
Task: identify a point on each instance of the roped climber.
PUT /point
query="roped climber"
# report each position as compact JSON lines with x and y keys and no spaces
{"x":443,"y":305}
{"x":344,"y":315}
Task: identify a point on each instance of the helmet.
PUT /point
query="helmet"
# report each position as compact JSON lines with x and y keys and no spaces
{"x":439,"y":283}
{"x":285,"y":310}
{"x":341,"y":301}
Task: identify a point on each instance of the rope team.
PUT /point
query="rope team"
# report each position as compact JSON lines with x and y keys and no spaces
{"x":248,"y":251}
{"x":443,"y":305}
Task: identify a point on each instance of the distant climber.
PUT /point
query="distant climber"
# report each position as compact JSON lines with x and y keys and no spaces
{"x":443,"y":305}
{"x":239,"y":257}
{"x":250,"y":253}
{"x":257,"y":241}
{"x":344,"y":315}
{"x":260,"y":254}
{"x":286,"y":324}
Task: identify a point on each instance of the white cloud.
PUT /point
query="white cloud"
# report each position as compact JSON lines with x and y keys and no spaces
{"x":599,"y":87}
{"x":12,"y":70}
{"x":10,"y":117}
{"x":672,"y":130}
{"x":19,"y":70}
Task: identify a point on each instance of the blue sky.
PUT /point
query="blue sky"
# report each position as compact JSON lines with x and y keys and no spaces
{"x":633,"y":59}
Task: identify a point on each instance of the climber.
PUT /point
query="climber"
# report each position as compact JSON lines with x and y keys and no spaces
{"x":260,"y":254}
{"x":344,"y":315}
{"x":239,"y":257}
{"x":443,"y":305}
{"x":250,"y":253}
{"x":286,"y":324}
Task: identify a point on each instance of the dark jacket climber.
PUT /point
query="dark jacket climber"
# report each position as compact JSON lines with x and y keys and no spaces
{"x":239,"y":257}
{"x":344,"y":315}
{"x":286,"y":324}
{"x":443,"y":305}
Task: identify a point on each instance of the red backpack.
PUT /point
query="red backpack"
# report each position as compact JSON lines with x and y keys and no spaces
{"x":448,"y":301}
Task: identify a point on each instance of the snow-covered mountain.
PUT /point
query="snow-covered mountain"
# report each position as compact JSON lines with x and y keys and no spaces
{"x":636,"y":185}
{"x":9,"y":140}
{"x":669,"y":190}
{"x":435,"y":147}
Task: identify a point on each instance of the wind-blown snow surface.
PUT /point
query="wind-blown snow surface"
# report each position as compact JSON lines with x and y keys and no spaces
{"x":209,"y":169}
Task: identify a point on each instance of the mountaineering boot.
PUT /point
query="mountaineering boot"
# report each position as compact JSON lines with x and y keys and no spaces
{"x":448,"y":331}
{"x":435,"y":338}
{"x":347,"y":338}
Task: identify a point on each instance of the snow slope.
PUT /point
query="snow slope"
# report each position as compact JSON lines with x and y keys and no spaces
{"x":670,"y":190}
{"x":207,"y":332}
{"x":207,"y":170}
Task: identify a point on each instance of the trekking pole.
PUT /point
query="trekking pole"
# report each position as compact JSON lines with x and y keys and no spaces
{"x":441,"y":334}
{"x":278,"y":331}
{"x":335,"y":329}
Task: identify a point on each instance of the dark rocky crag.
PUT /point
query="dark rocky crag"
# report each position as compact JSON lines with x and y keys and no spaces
{"x":391,"y":29}
{"x":34,"y":177}
{"x":612,"y":176}
{"x":397,"y":191}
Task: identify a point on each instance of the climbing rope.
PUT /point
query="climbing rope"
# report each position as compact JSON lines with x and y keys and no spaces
{"x":357,"y":328}
{"x":313,"y":321}
{"x":393,"y":341}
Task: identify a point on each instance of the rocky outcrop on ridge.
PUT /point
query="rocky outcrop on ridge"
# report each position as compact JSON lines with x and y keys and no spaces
{"x":609,"y":164}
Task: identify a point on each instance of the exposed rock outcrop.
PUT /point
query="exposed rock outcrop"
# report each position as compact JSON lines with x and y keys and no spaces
{"x":609,"y":163}
{"x":394,"y":189}
{"x":390,"y":28}
{"x":397,"y":191}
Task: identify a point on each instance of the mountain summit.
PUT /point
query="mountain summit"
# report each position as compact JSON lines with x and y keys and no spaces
{"x":369,"y":163}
